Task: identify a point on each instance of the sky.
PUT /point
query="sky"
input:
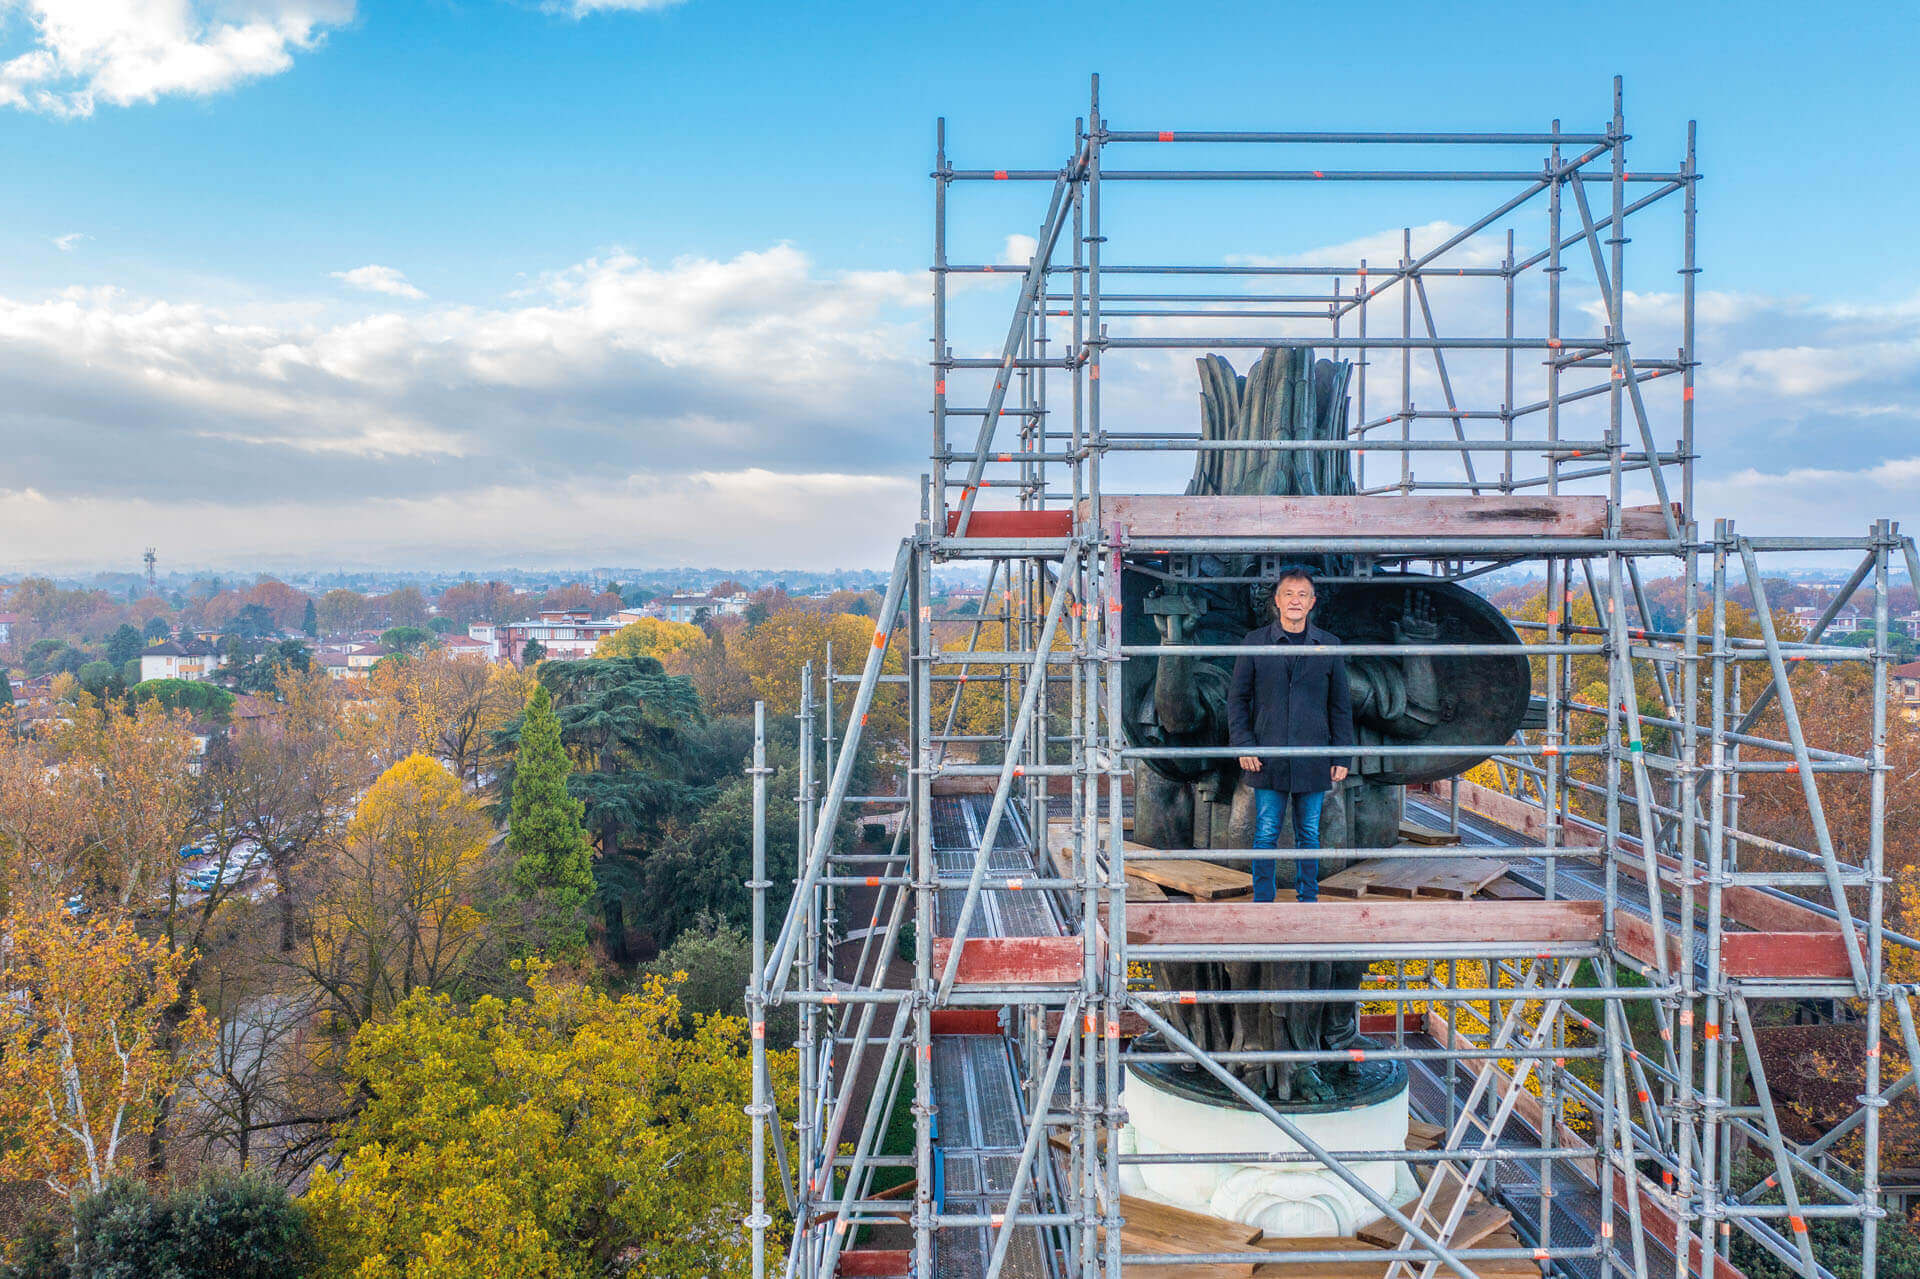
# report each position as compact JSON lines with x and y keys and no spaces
{"x":380,"y":283}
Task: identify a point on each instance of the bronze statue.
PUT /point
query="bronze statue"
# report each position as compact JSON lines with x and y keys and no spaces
{"x":1178,"y":700}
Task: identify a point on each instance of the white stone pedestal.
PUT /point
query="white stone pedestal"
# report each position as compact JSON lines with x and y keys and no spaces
{"x":1284,"y":1199}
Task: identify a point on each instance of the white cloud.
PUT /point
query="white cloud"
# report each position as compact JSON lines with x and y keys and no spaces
{"x":1019,"y":249}
{"x":581,"y":8}
{"x":380,"y":279}
{"x":65,"y":243}
{"x":84,"y":52}
{"x":421,"y":427}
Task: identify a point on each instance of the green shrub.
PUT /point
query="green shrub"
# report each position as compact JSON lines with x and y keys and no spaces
{"x":226,"y":1226}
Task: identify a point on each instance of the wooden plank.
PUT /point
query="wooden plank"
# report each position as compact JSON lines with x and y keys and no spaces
{"x":1147,"y":516}
{"x":1461,"y":877}
{"x":1158,"y":1227}
{"x":1014,"y":523}
{"x":1405,"y":877}
{"x":1325,"y":922}
{"x":1821,"y":954}
{"x":1383,"y":1233}
{"x":1422,"y":1135}
{"x":1480,"y":1220}
{"x":1356,"y":880}
{"x":1415,"y":833}
{"x":1507,"y":889}
{"x":1203,"y":881}
{"x":876,"y":1263}
{"x":1019,"y":961}
{"x":1788,"y":939}
{"x":1144,"y":890}
{"x":1151,"y":1227}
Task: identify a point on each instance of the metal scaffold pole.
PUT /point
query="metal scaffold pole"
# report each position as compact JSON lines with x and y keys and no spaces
{"x":1001,"y":980}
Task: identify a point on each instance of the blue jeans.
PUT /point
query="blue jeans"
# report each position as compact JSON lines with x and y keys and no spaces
{"x":1269,"y":806}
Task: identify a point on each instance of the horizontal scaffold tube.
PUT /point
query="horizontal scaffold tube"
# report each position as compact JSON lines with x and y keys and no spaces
{"x":1364,"y":752}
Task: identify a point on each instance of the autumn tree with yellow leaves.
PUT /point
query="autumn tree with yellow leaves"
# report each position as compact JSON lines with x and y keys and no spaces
{"x":83,"y":1075}
{"x":653,"y":637}
{"x":772,"y":654}
{"x":568,"y":1134}
{"x":446,"y":706}
{"x":396,"y":908}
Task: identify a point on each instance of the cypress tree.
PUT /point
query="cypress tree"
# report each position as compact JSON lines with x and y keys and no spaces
{"x":552,"y":856}
{"x":310,"y":621}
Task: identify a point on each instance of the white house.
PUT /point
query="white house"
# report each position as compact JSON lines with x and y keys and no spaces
{"x":190,"y":660}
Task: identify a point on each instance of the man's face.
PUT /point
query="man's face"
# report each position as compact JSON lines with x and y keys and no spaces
{"x":1294,"y":600}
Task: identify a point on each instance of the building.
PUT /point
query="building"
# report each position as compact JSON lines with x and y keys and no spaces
{"x":465,"y":646}
{"x":563,"y":633}
{"x":1905,"y":687}
{"x":693,"y":608}
{"x":190,"y":659}
{"x":7,"y":621}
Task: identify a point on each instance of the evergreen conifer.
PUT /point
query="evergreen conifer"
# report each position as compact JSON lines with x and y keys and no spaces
{"x":553,"y":859}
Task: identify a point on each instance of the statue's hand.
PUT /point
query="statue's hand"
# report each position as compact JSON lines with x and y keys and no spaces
{"x":1417,"y":624}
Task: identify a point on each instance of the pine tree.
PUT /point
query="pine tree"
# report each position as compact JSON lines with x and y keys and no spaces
{"x":552,"y":856}
{"x":310,"y":621}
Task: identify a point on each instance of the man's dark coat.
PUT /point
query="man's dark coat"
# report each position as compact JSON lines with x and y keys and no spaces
{"x":1290,"y":701}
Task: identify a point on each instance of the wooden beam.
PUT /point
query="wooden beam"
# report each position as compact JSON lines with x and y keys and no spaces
{"x":1198,"y":879}
{"x":1014,"y":961}
{"x":1341,"y":922}
{"x":876,"y":1263}
{"x":1151,"y":1227}
{"x":1014,"y":523}
{"x":1787,"y":940}
{"x":1147,"y":516}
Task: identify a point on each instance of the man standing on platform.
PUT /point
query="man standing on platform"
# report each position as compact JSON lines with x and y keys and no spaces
{"x":1287,"y":699}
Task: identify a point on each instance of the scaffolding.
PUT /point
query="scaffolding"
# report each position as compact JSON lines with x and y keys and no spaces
{"x":1614,"y":1139}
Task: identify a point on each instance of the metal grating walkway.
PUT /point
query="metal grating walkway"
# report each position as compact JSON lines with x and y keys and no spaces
{"x":976,"y":1087}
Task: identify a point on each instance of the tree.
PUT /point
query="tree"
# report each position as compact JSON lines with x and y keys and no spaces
{"x":341,"y":610}
{"x":442,"y":625}
{"x":135,"y":772}
{"x":406,"y":639}
{"x":567,"y":1134}
{"x":6,"y":693}
{"x":396,"y":911}
{"x":772,"y":654}
{"x":626,"y":724}
{"x":201,"y":700}
{"x":101,"y":679}
{"x":405,"y":607}
{"x":81,"y":1074}
{"x":653,"y":637}
{"x":254,"y":622}
{"x":52,"y":657}
{"x":710,"y":963}
{"x":449,"y":706}
{"x":482,"y":602}
{"x":262,"y":674}
{"x":157,"y":631}
{"x":310,"y":621}
{"x":225,"y":1226}
{"x":124,"y":644}
{"x":553,"y":858}
{"x":290,"y":788}
{"x":533,"y":654}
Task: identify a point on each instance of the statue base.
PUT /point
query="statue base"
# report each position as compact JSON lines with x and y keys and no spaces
{"x":1289,"y":1200}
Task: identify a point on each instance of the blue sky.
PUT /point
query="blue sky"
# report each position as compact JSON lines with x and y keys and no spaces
{"x":317,"y":280}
